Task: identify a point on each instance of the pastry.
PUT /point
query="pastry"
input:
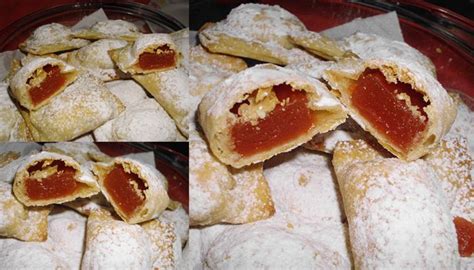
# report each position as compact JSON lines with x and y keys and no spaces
{"x":138,"y":192}
{"x":83,"y":106}
{"x":12,"y":125}
{"x":82,"y":152}
{"x":110,"y":29}
{"x":37,"y":82}
{"x":20,"y":222}
{"x":51,"y":38}
{"x":247,"y":118}
{"x":96,"y":59}
{"x":397,"y":216}
{"x":398,"y":101}
{"x":220,"y":194}
{"x":36,"y":181}
{"x":172,"y":90}
{"x":20,"y":255}
{"x":257,"y":31}
{"x":149,"y":53}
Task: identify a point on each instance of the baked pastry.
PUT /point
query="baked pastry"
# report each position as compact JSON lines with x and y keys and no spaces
{"x":51,"y":38}
{"x":398,"y":101}
{"x":220,"y":194}
{"x":397,"y":215}
{"x":138,"y":192}
{"x":146,"y":121}
{"x":13,"y":126}
{"x":171,"y":89}
{"x":37,"y":82}
{"x":20,"y":222}
{"x":96,"y":59}
{"x":110,"y":29}
{"x":181,"y":39}
{"x":20,"y":255}
{"x":48,"y":178}
{"x":82,"y":152}
{"x":149,"y":53}
{"x":83,"y":106}
{"x":265,"y":110}
{"x":256,"y":31}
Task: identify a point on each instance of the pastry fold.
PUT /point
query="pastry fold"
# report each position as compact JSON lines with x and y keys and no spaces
{"x":83,"y":106}
{"x":149,"y":53}
{"x":48,"y":178}
{"x":41,"y":79}
{"x":396,"y":100}
{"x":20,"y":222}
{"x":138,"y":192}
{"x":265,"y":110}
{"x":51,"y":38}
{"x":13,"y":125}
{"x":109,"y":29}
{"x":398,"y":218}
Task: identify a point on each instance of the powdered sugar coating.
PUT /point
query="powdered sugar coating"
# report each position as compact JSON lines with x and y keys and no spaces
{"x":12,"y":125}
{"x":128,"y":91}
{"x":180,"y":219}
{"x":463,"y":126}
{"x":20,"y":255}
{"x":115,"y":28}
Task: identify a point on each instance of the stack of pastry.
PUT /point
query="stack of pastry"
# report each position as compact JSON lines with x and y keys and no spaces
{"x":372,"y":178}
{"x":81,"y":85}
{"x":71,"y":207}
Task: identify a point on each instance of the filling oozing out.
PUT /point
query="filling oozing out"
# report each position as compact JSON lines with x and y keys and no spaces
{"x":465,"y":232}
{"x":161,"y":57}
{"x":285,"y":116}
{"x":394,"y":109}
{"x":53,"y":81}
{"x":125,"y":188}
{"x":51,"y":180}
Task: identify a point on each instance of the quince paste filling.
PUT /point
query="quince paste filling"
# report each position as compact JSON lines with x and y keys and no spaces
{"x":45,"y":83}
{"x":158,"y":58}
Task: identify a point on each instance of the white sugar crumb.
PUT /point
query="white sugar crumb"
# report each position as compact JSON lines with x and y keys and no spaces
{"x":303,"y":184}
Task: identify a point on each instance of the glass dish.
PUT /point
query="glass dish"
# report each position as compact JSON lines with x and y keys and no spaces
{"x":70,"y":14}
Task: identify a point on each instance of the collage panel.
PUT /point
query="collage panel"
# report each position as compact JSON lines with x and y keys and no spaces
{"x":74,"y":205}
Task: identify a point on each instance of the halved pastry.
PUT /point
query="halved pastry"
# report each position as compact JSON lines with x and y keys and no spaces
{"x":265,"y":110}
{"x":255,"y":31}
{"x":136,"y":191}
{"x":113,"y":29}
{"x":149,"y":53}
{"x":398,"y":101}
{"x":20,"y":222}
{"x":172,"y":90}
{"x":13,"y":126}
{"x":96,"y":59}
{"x":181,"y":39}
{"x":398,"y":217}
{"x":220,"y":194}
{"x":83,"y":106}
{"x":41,"y":79}
{"x":48,"y":178}
{"x":51,"y":38}
{"x":82,"y":152}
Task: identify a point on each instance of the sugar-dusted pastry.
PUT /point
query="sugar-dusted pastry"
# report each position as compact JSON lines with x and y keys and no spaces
{"x":453,"y":164}
{"x":181,"y":39}
{"x":40,"y":80}
{"x":265,"y":110}
{"x":136,"y":191}
{"x":111,"y":29}
{"x":20,"y":255}
{"x":144,"y":121}
{"x":12,"y":155}
{"x":220,"y":194}
{"x":82,"y":152}
{"x":172,"y":90}
{"x":86,"y":206}
{"x":51,"y":38}
{"x":83,"y":106}
{"x":96,"y":59}
{"x":318,"y":44}
{"x":398,"y":217}
{"x":48,"y":178}
{"x":129,"y":92}
{"x":180,"y":219}
{"x":149,"y":53}
{"x":114,"y":244}
{"x":396,"y":100}
{"x":21,"y":222}
{"x":256,"y":31}
{"x":12,"y":125}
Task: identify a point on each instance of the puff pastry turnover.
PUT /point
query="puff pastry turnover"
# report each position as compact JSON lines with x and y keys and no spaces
{"x":13,"y":127}
{"x":263,"y":111}
{"x":20,"y":222}
{"x":51,"y":38}
{"x":137,"y":192}
{"x":112,"y":29}
{"x":397,"y":216}
{"x":396,"y":100}
{"x":48,"y":178}
{"x":149,"y":53}
{"x":40,"y":80}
